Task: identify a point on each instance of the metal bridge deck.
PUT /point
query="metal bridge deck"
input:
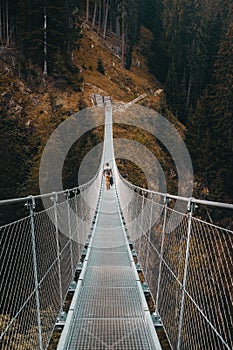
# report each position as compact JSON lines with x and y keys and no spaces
{"x":109,"y":310}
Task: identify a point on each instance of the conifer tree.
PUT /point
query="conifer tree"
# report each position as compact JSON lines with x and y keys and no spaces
{"x":222,"y":111}
{"x":129,"y":21}
{"x":200,"y":142}
{"x":210,"y":128}
{"x":184,"y":31}
{"x":30,"y":30}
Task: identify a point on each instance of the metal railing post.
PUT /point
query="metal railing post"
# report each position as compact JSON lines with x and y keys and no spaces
{"x":161,"y":252}
{"x":77,"y":219}
{"x":142,"y":216}
{"x":148,"y":242}
{"x":54,"y":198}
{"x":31,"y":206}
{"x":70,"y":232}
{"x":76,"y":206}
{"x":190,"y":209}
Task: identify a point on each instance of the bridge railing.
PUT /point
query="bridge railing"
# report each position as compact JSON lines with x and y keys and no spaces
{"x":38,"y":257}
{"x":187,"y":263}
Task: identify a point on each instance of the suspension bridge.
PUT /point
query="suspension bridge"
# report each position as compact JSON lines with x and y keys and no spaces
{"x":108,"y":269}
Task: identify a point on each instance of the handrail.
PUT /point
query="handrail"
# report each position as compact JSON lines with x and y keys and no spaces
{"x":46,"y":195}
{"x":130,"y":185}
{"x":171,"y":196}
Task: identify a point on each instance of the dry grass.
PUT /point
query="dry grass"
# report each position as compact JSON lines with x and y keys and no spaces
{"x":121,"y":84}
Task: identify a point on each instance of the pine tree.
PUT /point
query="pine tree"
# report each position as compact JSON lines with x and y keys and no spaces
{"x":185,"y":34}
{"x":130,"y":19}
{"x":222,"y":111}
{"x":200,"y":141}
{"x":151,"y":16}
{"x":175,"y":92}
{"x":210,"y":129}
{"x":30,"y":30}
{"x":62,"y":33}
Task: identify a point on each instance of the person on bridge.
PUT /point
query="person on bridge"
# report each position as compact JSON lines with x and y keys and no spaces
{"x":108,"y":174}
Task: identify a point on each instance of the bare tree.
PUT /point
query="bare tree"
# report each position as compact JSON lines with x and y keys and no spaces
{"x":94,"y":15}
{"x":7,"y":24}
{"x":106,"y":17}
{"x":0,"y":21}
{"x":87,"y":10}
{"x":100,"y":13}
{"x":4,"y":22}
{"x":45,"y":42}
{"x":123,"y":33}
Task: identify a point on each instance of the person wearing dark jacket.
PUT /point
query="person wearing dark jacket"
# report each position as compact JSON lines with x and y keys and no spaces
{"x":107,"y":174}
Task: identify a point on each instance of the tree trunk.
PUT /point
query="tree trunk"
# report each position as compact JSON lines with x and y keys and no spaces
{"x":111,"y":18}
{"x":106,"y":19}
{"x":189,"y":89}
{"x":123,"y":34}
{"x":118,"y":31}
{"x":0,"y":21}
{"x":45,"y":42}
{"x":99,"y":23}
{"x":94,"y":15}
{"x":87,"y":10}
{"x":7,"y":25}
{"x":3,"y":20}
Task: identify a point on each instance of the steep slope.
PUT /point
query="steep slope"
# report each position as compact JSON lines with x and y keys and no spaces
{"x":116,"y":81}
{"x":32,"y":108}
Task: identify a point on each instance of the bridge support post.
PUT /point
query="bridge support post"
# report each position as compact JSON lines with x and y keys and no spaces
{"x":190,"y":209}
{"x":70,"y":232}
{"x":161,"y":252}
{"x":141,"y":223}
{"x":149,"y":234}
{"x":76,"y":207}
{"x":54,"y":199}
{"x":31,"y":206}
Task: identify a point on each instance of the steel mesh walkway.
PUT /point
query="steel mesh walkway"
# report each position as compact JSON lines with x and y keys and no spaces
{"x":109,"y":310}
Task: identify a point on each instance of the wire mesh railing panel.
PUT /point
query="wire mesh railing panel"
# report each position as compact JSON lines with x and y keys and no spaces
{"x":38,"y":258}
{"x":46,"y":246}
{"x":21,"y":331}
{"x":65,"y":266}
{"x":188,"y":265}
{"x":197,"y":330}
{"x":50,"y":302}
{"x":125,"y":196}
{"x":169,"y":302}
{"x":175,"y":242}
{"x":143,"y":250}
{"x":14,"y":260}
{"x":152,"y":268}
{"x":79,"y":228}
{"x":17,"y":297}
{"x":210,"y":285}
{"x":48,"y":271}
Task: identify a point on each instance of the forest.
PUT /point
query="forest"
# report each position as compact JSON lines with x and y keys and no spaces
{"x":191,"y":55}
